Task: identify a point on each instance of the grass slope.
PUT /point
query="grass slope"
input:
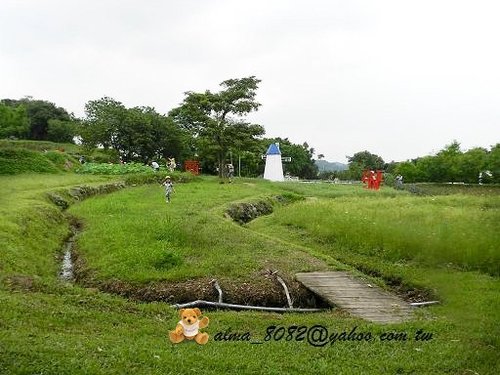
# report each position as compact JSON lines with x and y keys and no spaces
{"x":134,"y":235}
{"x":54,"y":328}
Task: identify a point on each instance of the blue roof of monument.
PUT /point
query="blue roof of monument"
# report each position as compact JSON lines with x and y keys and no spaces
{"x":273,"y":149}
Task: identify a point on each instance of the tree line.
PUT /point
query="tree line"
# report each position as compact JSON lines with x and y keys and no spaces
{"x":450,"y":164}
{"x":212,"y":128}
{"x":208,"y":126}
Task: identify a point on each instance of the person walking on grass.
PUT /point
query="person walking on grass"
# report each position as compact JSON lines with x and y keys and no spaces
{"x":169,"y":187}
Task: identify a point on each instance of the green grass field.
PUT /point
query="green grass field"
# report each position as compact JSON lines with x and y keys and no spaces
{"x":444,"y":246}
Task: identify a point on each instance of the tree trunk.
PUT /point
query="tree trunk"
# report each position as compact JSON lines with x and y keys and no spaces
{"x":221,"y":165}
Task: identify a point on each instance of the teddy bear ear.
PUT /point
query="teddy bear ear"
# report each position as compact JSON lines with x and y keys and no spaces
{"x":197,"y":311}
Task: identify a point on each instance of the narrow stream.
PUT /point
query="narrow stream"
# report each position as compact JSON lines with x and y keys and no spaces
{"x":66,"y":273}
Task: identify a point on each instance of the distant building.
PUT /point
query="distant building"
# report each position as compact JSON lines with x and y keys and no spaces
{"x":274,"y":168}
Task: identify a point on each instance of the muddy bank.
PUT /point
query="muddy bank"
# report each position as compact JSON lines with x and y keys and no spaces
{"x":262,"y":290}
{"x":244,"y":212}
{"x":409,"y":293}
{"x":64,"y":198}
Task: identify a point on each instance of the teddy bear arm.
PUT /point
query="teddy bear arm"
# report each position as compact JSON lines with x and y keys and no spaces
{"x":179,"y":330}
{"x":204,"y":322}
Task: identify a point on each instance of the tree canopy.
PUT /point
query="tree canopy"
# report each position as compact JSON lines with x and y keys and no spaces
{"x":39,"y":112}
{"x":14,"y":121}
{"x":212,"y":127}
{"x":216,"y":120}
{"x":451,"y":164}
{"x":363,"y":160}
{"x":138,"y":133}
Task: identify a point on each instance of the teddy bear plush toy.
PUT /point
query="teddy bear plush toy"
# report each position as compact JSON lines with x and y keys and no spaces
{"x":188,"y":327}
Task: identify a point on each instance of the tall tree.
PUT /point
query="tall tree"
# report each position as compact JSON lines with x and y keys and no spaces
{"x":13,"y":121}
{"x":103,"y":119}
{"x":216,"y":120}
{"x":493,"y":164}
{"x":409,"y":170}
{"x":39,"y":113}
{"x":138,"y":133}
{"x":148,"y":135}
{"x":447,"y":163}
{"x":473,"y":162}
{"x":363,"y":160}
{"x":61,"y":131}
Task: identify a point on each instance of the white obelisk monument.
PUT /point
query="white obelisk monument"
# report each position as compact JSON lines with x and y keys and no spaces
{"x":274,"y":169}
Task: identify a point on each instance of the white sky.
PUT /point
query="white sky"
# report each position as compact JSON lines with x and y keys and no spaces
{"x":398,"y":78}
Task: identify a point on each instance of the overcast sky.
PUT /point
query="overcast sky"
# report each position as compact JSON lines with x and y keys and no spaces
{"x":398,"y":78}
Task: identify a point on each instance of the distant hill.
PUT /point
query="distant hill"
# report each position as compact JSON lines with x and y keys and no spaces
{"x":326,"y":166}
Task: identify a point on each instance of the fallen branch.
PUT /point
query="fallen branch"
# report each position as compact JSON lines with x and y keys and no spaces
{"x":202,"y":303}
{"x":290,"y":304}
{"x":417,"y":304}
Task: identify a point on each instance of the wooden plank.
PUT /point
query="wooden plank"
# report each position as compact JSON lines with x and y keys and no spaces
{"x":356,"y":297}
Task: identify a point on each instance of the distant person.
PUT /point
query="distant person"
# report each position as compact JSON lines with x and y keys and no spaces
{"x":82,"y":159}
{"x":169,"y":188}
{"x":156,"y":166}
{"x":171,"y":164}
{"x":230,"y":172}
{"x":399,"y":181}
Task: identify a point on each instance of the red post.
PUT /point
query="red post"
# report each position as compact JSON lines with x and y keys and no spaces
{"x":365,"y":178}
{"x":379,"y":179}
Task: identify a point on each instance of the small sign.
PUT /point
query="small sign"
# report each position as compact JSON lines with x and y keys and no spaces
{"x":286,"y":159}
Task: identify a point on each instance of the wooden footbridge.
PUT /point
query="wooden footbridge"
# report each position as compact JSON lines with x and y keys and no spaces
{"x":355,"y":296}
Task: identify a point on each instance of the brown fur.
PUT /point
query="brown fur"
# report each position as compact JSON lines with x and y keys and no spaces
{"x":189,"y":317}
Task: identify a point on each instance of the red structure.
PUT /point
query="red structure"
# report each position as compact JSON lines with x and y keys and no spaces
{"x":364,"y":177}
{"x":192,"y":166}
{"x":372,"y":179}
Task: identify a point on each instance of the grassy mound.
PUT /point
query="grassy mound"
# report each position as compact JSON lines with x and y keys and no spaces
{"x":40,"y":146}
{"x":445,"y":231}
{"x":18,"y":160}
{"x":141,"y":236}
